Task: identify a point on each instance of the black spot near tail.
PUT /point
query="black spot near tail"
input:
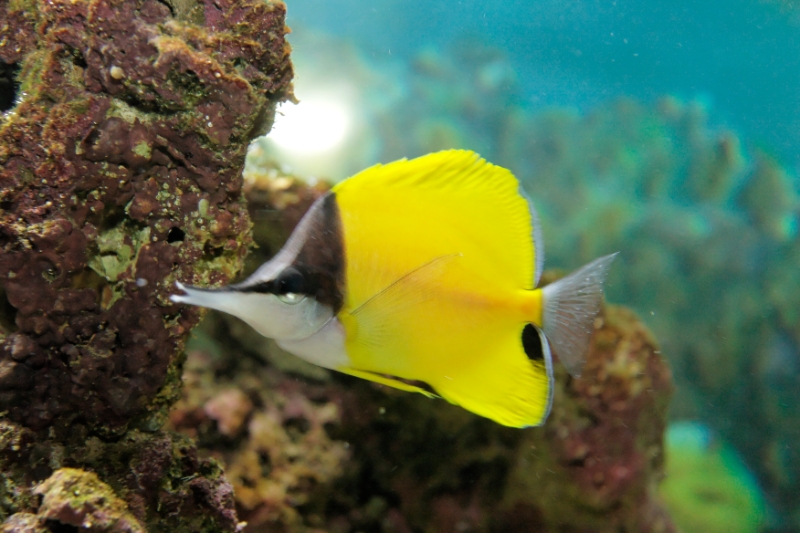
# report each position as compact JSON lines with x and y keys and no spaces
{"x":532,"y":343}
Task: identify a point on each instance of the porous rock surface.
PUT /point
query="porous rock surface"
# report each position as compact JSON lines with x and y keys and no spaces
{"x":120,"y":165}
{"x":123,"y":134}
{"x":139,"y":482}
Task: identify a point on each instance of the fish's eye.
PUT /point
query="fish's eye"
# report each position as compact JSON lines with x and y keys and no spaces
{"x":291,"y":298}
{"x":290,"y":281}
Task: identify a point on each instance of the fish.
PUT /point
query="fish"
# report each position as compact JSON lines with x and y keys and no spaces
{"x":423,"y":275}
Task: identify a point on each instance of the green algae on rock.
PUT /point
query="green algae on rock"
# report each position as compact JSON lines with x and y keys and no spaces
{"x":157,"y":479}
{"x":76,"y":498}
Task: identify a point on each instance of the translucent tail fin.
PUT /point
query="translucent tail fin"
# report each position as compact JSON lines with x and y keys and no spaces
{"x":570,"y":307}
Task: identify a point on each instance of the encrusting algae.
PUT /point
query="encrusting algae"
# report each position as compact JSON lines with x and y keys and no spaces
{"x":72,"y":497}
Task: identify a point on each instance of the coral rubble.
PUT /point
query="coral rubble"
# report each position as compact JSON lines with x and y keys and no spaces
{"x":271,"y":437}
{"x":123,"y":137}
{"x":150,"y":481}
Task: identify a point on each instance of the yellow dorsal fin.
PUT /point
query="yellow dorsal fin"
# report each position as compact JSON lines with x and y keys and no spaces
{"x":457,"y":170}
{"x":447,"y":202}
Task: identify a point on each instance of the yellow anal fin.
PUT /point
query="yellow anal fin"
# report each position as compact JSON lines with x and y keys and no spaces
{"x":503,"y":384}
{"x":385,"y":380}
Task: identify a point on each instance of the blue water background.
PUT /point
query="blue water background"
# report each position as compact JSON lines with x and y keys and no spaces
{"x":742,"y":56}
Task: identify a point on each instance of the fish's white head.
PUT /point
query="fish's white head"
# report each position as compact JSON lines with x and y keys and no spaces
{"x":293,"y":295}
{"x":283,"y":317}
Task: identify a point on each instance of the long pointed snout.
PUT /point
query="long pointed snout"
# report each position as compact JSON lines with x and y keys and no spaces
{"x":221,"y":299}
{"x":265,"y":312}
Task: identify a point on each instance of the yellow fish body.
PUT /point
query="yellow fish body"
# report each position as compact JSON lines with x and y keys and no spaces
{"x":422,"y":275}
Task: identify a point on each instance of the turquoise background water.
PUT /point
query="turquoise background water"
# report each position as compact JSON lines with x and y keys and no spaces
{"x":742,"y":56}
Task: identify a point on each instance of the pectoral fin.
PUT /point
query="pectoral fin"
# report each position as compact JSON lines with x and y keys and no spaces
{"x":380,"y":322}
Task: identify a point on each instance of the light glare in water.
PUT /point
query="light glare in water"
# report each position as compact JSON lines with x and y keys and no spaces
{"x":317,"y":125}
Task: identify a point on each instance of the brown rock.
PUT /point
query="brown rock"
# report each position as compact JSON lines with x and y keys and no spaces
{"x":126,"y":115}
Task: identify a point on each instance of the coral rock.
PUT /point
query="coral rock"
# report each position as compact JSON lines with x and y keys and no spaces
{"x":229,"y":408}
{"x":150,"y":481}
{"x":122,"y":140}
{"x":79,"y":499}
{"x":596,"y":464}
{"x":281,"y":462}
{"x":23,"y":523}
{"x":128,"y":117}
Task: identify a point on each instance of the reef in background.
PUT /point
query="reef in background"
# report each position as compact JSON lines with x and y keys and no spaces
{"x":708,"y":488}
{"x":123,"y":136}
{"x":708,"y":235}
{"x":313,"y":451}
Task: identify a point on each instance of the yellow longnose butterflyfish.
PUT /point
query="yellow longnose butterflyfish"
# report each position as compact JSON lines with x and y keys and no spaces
{"x":422,"y":275}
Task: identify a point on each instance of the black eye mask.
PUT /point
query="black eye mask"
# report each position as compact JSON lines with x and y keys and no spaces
{"x":290,"y":280}
{"x":317,"y":269}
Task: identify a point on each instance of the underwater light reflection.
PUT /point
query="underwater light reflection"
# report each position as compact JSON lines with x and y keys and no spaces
{"x":318,"y":124}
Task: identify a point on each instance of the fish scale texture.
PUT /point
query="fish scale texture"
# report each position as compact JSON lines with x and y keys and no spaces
{"x":120,"y":168}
